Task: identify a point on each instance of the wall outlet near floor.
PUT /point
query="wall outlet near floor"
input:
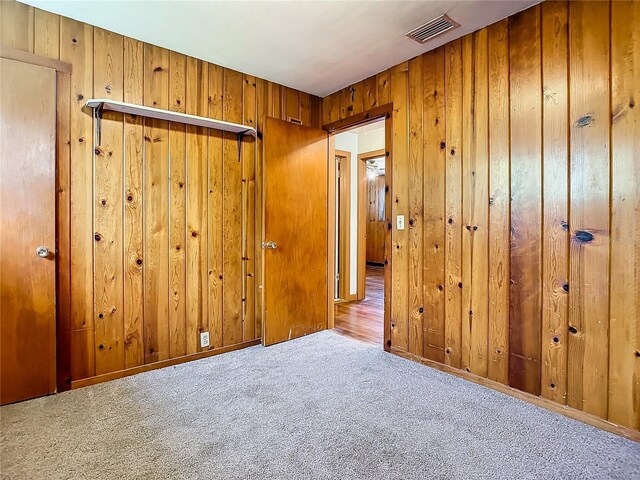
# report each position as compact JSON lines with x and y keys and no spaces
{"x":400,"y":222}
{"x":204,"y":339}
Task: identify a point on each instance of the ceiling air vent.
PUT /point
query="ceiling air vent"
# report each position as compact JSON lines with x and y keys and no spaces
{"x":432,"y":29}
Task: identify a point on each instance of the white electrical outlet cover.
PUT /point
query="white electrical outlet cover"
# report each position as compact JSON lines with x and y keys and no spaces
{"x":400,"y":222}
{"x":204,"y":339}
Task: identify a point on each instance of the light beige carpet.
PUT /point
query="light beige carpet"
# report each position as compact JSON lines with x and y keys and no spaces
{"x":323,"y":406}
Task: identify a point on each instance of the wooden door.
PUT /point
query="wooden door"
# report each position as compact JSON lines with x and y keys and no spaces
{"x":295,"y":218}
{"x":376,"y":220}
{"x":27,"y":221}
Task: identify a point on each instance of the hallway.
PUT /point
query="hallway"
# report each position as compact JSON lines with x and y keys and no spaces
{"x":364,"y":319}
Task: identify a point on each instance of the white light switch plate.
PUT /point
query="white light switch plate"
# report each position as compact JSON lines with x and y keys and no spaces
{"x":400,"y":222}
{"x":204,"y":339}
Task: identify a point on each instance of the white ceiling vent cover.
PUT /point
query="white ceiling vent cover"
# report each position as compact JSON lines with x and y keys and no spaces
{"x":432,"y":29}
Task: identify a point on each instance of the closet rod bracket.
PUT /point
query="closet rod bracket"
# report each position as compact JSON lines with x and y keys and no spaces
{"x":97,"y":114}
{"x":240,"y":136}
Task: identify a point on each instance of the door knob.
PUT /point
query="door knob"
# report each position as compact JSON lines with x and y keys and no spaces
{"x":42,"y":252}
{"x":271,"y":245}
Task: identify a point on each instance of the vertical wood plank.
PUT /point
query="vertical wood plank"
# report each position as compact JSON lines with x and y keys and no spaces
{"x":156,"y":207}
{"x":215,"y":210}
{"x":344,"y":103}
{"x":305,"y":109}
{"x":434,"y":204}
{"x":416,"y":215}
{"x":291,"y":104}
{"x":232,"y":210}
{"x":354,"y":99}
{"x":133,"y":219}
{"x":588,"y":361}
{"x":369,"y":93}
{"x":16,"y":25}
{"x":249,"y":210}
{"x":499,"y":197}
{"x":177,"y":208}
{"x":108,"y":206}
{"x":589,"y":259}
{"x":331,"y":108}
{"x":555,"y":250}
{"x":384,"y":87}
{"x":624,"y":348}
{"x":46,"y":42}
{"x":453,"y":204}
{"x":275,"y":101}
{"x":76,"y":48}
{"x":334,"y":113}
{"x":468,"y":105}
{"x":316,"y":114}
{"x":475,"y":164}
{"x":526,"y":190}
{"x":326,"y":109}
{"x":177,"y":82}
{"x":197,"y":181}
{"x":63,"y":224}
{"x":389,"y":132}
{"x":400,"y":206}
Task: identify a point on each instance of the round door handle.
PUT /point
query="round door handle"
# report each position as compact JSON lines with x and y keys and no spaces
{"x":271,"y":245}
{"x":43,"y":252}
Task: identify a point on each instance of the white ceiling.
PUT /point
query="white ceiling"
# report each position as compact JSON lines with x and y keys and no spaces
{"x":314,"y":46}
{"x":368,"y":127}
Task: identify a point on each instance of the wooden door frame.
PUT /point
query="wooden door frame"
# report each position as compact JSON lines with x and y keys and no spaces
{"x":362,"y":217}
{"x":344,"y":228}
{"x":383,"y":111}
{"x":61,"y":369}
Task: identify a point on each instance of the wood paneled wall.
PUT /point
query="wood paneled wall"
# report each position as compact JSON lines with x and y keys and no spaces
{"x":164,"y":217}
{"x":516,"y":157}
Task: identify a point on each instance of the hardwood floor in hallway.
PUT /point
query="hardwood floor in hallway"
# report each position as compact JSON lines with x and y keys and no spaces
{"x":364,"y":319}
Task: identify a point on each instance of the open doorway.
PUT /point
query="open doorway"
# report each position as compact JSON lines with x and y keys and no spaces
{"x":360,"y":165}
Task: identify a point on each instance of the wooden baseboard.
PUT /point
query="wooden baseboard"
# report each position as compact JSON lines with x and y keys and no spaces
{"x":85,"y":382}
{"x":527,"y":397}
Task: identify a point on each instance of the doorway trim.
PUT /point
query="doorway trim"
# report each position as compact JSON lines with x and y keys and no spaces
{"x":344,"y":226}
{"x":62,"y":220}
{"x":383,"y":111}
